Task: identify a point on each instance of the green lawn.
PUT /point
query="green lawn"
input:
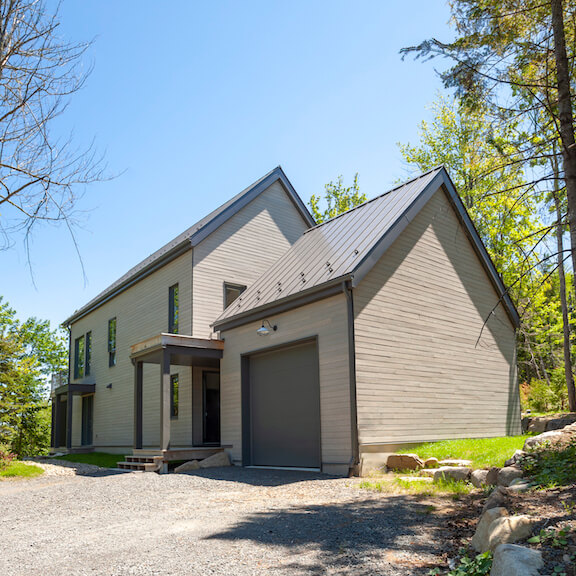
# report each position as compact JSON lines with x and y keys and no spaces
{"x":101,"y":459}
{"x":484,"y":452}
{"x":21,"y":470}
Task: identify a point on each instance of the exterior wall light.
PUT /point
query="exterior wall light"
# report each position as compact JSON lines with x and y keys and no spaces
{"x":264,"y":331}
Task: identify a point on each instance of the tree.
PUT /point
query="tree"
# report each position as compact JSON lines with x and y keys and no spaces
{"x":29,"y":352}
{"x":338,"y":199}
{"x":39,"y":173}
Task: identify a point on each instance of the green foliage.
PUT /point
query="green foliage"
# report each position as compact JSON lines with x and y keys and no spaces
{"x":555,"y":537}
{"x":20,"y":469}
{"x":338,"y":199}
{"x":540,"y":396}
{"x":6,"y":459}
{"x":394,"y":484}
{"x":29,"y":352}
{"x":102,"y":459}
{"x":483,"y":452}
{"x":551,"y":466}
{"x":480,"y":565}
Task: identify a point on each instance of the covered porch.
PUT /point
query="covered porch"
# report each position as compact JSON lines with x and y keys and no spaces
{"x":167,"y":350}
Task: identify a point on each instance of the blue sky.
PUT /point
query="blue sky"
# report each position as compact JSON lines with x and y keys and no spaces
{"x":192,"y":101}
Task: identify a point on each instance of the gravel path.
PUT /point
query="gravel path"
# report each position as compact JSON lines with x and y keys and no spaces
{"x":225,"y":521}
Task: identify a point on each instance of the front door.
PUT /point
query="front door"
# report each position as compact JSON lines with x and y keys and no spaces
{"x":211,"y":407}
{"x":87,"y":419}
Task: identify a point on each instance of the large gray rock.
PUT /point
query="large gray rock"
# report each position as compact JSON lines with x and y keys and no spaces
{"x":431,"y":463}
{"x":481,"y":538}
{"x":492,"y":476}
{"x":216,"y":460}
{"x":541,"y":438}
{"x":187,"y":466}
{"x":520,"y":485}
{"x":537,"y":425}
{"x":560,"y":422}
{"x":514,"y":560}
{"x":404,"y":462}
{"x":508,"y":474}
{"x":458,"y":474}
{"x":515,"y":458}
{"x":510,"y":529}
{"x":497,"y":499}
{"x":478,"y":478}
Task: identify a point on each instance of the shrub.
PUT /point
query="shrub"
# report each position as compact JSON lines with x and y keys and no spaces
{"x":6,"y":458}
{"x":551,"y":466}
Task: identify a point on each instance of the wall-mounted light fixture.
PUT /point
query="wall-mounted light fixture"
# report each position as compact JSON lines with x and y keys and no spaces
{"x":264,"y":331}
{"x":109,"y":386}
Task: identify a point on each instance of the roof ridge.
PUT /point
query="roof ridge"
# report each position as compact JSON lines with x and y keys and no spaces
{"x":401,"y":185}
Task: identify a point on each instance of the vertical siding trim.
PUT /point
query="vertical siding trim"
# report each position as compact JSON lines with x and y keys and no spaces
{"x":352,"y":368}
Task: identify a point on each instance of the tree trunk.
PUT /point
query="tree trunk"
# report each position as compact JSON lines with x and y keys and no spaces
{"x":565,"y":119}
{"x":563,"y":300}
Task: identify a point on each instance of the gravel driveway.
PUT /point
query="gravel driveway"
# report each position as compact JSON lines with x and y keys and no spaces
{"x":226,"y":521}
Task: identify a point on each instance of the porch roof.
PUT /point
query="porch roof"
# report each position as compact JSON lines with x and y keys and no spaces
{"x":184,"y":350}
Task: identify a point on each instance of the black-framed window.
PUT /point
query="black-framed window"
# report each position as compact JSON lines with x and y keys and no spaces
{"x":173,"y":309}
{"x":112,"y":342}
{"x":174,"y":392}
{"x":88,"y":354}
{"x":231,"y":292}
{"x":79,"y":356}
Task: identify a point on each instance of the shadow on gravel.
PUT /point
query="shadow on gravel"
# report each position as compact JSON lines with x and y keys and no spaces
{"x":396,"y":531}
{"x":258,"y":476}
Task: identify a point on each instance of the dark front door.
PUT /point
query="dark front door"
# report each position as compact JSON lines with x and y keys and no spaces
{"x":87,"y":420}
{"x":285,"y":407}
{"x":211,"y":406}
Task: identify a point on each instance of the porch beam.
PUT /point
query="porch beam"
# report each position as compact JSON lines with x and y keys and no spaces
{"x":138,"y":403}
{"x":165,"y":400}
{"x":69,"y":420}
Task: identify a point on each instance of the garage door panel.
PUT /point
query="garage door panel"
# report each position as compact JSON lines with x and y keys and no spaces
{"x":285,"y":407}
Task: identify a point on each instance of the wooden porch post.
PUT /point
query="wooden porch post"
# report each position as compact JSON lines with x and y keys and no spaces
{"x":138,"y":403}
{"x":165,"y":400}
{"x":69,"y":418}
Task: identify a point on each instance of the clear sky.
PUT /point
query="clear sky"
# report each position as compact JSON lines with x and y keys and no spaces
{"x":192,"y":101}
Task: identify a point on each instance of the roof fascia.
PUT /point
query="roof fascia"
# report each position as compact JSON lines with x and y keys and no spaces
{"x":276,"y":174}
{"x":337,"y":286}
{"x":162,"y":261}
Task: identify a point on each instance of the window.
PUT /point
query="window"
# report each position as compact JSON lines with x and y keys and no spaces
{"x":231,"y":292}
{"x":88,"y":355}
{"x":174,"y":395}
{"x":79,"y":358}
{"x":173,"y":310}
{"x":112,"y":342}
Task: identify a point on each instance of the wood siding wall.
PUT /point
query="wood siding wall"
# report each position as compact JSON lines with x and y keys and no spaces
{"x":418,"y":315}
{"x":241,"y":250}
{"x":141,"y":312}
{"x":326,"y":319}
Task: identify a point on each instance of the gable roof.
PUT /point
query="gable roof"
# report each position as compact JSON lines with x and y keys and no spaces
{"x":194,"y":235}
{"x":346,"y":248}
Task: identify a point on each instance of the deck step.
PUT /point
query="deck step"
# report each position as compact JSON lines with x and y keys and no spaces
{"x":142,"y":464}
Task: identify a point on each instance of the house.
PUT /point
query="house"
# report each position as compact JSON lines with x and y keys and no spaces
{"x":322,"y":347}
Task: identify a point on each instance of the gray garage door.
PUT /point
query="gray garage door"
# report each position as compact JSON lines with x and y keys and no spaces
{"x":285,"y":407}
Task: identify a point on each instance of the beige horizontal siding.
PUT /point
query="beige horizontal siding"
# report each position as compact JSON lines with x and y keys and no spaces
{"x":327,"y":320}
{"x":241,"y":250}
{"x":421,"y":374}
{"x":141,"y":312}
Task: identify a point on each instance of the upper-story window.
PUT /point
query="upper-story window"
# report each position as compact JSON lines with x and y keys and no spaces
{"x":173,"y":309}
{"x":112,"y":342}
{"x":82,"y":355}
{"x":231,"y":292}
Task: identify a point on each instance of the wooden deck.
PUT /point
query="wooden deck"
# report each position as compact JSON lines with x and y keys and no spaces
{"x":171,"y":455}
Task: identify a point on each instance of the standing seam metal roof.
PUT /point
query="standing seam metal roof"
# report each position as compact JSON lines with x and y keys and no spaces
{"x":331,"y":250}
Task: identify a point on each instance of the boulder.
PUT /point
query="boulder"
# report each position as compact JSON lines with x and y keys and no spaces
{"x":404,"y":462}
{"x":478,"y":478}
{"x":481,"y":538}
{"x":188,"y":466}
{"x":515,"y":458}
{"x":509,"y":529}
{"x":456,"y":473}
{"x":492,"y":476}
{"x":537,"y":425}
{"x":541,"y":438}
{"x":508,"y":474}
{"x":514,"y":560}
{"x":431,"y":463}
{"x":456,"y":463}
{"x":497,"y":499}
{"x":560,"y":422}
{"x":216,"y":460}
{"x":520,"y":485}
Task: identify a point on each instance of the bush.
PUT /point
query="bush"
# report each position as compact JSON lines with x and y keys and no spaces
{"x":541,"y":397}
{"x":6,"y":458}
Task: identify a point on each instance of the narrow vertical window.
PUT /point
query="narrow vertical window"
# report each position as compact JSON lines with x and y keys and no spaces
{"x":88,"y":355}
{"x":173,"y":309}
{"x":174,"y":390}
{"x":79,"y":357}
{"x":112,"y":342}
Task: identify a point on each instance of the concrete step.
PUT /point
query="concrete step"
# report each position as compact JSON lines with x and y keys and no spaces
{"x":141,"y":466}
